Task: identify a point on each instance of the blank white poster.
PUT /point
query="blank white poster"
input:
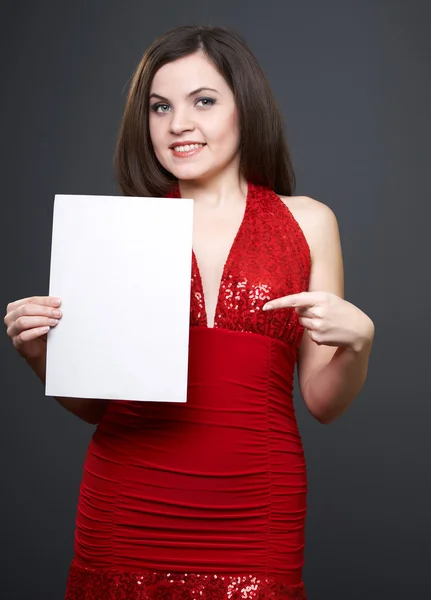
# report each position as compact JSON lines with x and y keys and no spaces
{"x":122,"y":267}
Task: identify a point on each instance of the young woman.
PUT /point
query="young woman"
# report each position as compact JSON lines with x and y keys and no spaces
{"x":208,"y":499}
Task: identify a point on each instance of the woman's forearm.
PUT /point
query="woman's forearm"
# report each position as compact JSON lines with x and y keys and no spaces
{"x":89,"y":410}
{"x":332,"y":389}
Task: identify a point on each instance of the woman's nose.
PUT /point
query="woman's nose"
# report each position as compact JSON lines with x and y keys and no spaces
{"x":180,"y":122}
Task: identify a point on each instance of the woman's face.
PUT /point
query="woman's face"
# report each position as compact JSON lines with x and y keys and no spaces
{"x":193,"y":119}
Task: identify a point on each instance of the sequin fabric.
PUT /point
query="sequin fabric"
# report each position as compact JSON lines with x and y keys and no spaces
{"x":88,"y":584}
{"x":269,"y":258}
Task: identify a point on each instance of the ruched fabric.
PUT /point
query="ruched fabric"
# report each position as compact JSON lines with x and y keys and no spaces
{"x":217,"y":484}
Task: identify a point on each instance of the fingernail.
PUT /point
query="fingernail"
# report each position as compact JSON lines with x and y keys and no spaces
{"x":56,"y":301}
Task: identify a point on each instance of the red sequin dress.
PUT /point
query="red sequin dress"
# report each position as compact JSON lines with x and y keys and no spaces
{"x":207,"y":499}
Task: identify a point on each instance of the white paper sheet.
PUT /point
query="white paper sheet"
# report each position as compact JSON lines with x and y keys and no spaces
{"x":122,"y":267}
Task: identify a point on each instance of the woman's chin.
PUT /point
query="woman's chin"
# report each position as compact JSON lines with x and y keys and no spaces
{"x":189,"y":174}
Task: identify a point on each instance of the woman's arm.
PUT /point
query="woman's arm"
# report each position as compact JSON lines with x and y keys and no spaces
{"x":27,"y":322}
{"x":331,"y":376}
{"x":330,"y":390}
{"x":334,"y":352}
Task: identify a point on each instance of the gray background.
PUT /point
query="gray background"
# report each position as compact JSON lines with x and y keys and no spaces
{"x":353,"y":82}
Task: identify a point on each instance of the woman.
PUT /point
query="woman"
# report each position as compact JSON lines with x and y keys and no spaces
{"x":208,"y":499}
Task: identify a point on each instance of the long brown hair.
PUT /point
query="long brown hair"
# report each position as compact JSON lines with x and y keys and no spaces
{"x":264,"y":156}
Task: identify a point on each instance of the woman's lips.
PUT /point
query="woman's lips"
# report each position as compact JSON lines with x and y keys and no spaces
{"x":187,"y":153}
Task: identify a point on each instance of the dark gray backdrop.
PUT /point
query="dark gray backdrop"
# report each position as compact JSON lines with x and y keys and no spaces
{"x":353,"y":81}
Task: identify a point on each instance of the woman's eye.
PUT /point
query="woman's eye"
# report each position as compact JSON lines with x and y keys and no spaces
{"x":205,"y":102}
{"x":160,"y":108}
{"x":164,"y":108}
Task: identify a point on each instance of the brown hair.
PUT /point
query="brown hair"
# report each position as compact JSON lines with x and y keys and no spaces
{"x":264,"y":156}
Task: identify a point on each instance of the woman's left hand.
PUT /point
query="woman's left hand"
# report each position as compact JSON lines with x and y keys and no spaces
{"x":328,"y":319}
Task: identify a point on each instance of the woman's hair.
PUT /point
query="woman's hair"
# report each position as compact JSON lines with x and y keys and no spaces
{"x":264,"y":156}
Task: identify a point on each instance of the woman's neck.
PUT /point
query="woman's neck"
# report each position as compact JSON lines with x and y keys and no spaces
{"x":216,"y":191}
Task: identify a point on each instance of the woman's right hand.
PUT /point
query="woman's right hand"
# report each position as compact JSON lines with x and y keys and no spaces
{"x":28,"y":321}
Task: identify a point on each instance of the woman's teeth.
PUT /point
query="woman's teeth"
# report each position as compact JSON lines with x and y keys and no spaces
{"x":187,"y":148}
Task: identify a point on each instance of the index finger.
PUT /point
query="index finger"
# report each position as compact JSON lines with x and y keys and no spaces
{"x":301,"y":300}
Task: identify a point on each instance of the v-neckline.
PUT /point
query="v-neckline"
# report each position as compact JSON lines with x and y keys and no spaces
{"x":225,"y":266}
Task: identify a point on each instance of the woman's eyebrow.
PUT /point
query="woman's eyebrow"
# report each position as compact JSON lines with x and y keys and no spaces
{"x":202,"y":89}
{"x":193,"y":93}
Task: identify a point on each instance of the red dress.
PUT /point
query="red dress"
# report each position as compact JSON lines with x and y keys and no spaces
{"x":207,"y":499}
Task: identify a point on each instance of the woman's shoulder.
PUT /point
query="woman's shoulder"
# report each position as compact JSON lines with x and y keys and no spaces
{"x":316,"y":219}
{"x":307,"y":208}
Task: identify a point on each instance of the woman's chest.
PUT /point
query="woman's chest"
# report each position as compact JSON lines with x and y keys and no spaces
{"x":232,"y":280}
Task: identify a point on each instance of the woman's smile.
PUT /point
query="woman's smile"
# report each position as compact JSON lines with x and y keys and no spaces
{"x":186,"y":149}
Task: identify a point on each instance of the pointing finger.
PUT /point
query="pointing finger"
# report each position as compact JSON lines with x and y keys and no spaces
{"x":302,"y":300}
